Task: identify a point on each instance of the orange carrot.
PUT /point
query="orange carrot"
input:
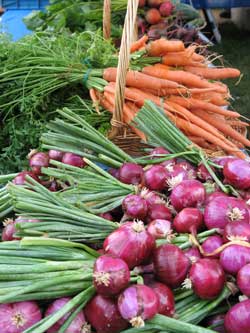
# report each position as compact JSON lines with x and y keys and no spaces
{"x":193,"y":129}
{"x":214,"y":73}
{"x":210,"y":97}
{"x":199,"y":141}
{"x":162,"y":46}
{"x":222,"y":126}
{"x":139,"y":80}
{"x":180,"y":59}
{"x":201,"y":105}
{"x":237,"y":123}
{"x":182,"y":77}
{"x":94,"y":99}
{"x":139,"y":44}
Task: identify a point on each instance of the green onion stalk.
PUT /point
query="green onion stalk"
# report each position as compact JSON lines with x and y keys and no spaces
{"x":160,"y":131}
{"x":91,"y":188}
{"x":57,"y":218}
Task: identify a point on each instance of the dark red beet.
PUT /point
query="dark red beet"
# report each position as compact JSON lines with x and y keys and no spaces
{"x":153,"y":16}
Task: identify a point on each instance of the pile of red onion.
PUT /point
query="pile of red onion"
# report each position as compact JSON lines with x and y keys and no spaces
{"x":172,"y":198}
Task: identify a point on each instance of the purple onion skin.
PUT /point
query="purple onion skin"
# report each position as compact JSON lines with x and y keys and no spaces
{"x":74,"y":327}
{"x":214,"y":195}
{"x":237,"y":173}
{"x":9,"y":230}
{"x":188,"y":220}
{"x":216,"y":214}
{"x":160,"y":229}
{"x":135,"y":207}
{"x":56,"y":155}
{"x":17,"y":317}
{"x":103,"y":314}
{"x":107,"y":216}
{"x":131,"y":173}
{"x":159,"y":151}
{"x":20,"y":178}
{"x":171,"y":265}
{"x":134,"y":247}
{"x":166,"y":298}
{"x":193,"y":254}
{"x":152,"y":198}
{"x":234,"y":257}
{"x":117,"y":275}
{"x":73,"y":159}
{"x":189,"y":193}
{"x":155,"y":177}
{"x":138,"y":301}
{"x":178,"y":172}
{"x":211,"y":244}
{"x":37,"y":161}
{"x":203,"y":174}
{"x":114,"y":173}
{"x":239,"y":230}
{"x":223,"y":160}
{"x":237,"y":319}
{"x":218,"y":323}
{"x":207,"y":277}
{"x":159,"y":212}
{"x":243,"y":280}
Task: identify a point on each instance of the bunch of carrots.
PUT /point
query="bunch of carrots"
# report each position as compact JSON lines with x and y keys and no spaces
{"x":188,"y":90}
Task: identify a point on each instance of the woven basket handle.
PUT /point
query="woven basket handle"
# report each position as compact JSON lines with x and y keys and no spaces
{"x":128,"y":37}
{"x":106,"y":19}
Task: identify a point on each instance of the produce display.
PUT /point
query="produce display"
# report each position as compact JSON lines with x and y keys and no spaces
{"x":96,"y":239}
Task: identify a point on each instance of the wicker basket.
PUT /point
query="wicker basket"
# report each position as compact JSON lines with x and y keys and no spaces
{"x":121,"y":134}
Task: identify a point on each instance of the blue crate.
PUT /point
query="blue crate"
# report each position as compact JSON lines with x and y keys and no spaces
{"x":218,"y":3}
{"x":24,"y":4}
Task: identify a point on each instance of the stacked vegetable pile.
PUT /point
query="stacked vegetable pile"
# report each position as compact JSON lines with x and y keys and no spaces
{"x":171,"y":19}
{"x":172,"y":237}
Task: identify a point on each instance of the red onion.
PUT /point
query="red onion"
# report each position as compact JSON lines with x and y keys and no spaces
{"x":207,"y":278}
{"x":237,"y":231}
{"x":237,"y":319}
{"x":186,"y":165}
{"x":56,"y":155}
{"x":176,"y":174}
{"x":214,"y":195}
{"x":73,"y":159}
{"x":222,"y":210}
{"x":17,"y":317}
{"x":171,"y":265}
{"x":166,"y":298}
{"x":114,"y":172}
{"x":160,"y":229}
{"x":151,"y":197}
{"x":111,"y":275}
{"x":130,"y":242}
{"x":20,"y":178}
{"x":223,"y":160}
{"x":234,"y":257}
{"x":107,"y":216}
{"x":189,"y":193}
{"x":155,"y":177}
{"x":188,"y":220}
{"x":243,"y":280}
{"x":138,"y":303}
{"x":53,"y":187}
{"x":162,"y":151}
{"x":37,"y":161}
{"x":9,"y":227}
{"x":237,"y":173}
{"x":159,"y":212}
{"x":77,"y":324}
{"x":193,"y":254}
{"x":203,"y":174}
{"x":217,"y":323}
{"x":103,"y":314}
{"x":135,"y":207}
{"x":211,"y":244}
{"x":131,"y":173}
